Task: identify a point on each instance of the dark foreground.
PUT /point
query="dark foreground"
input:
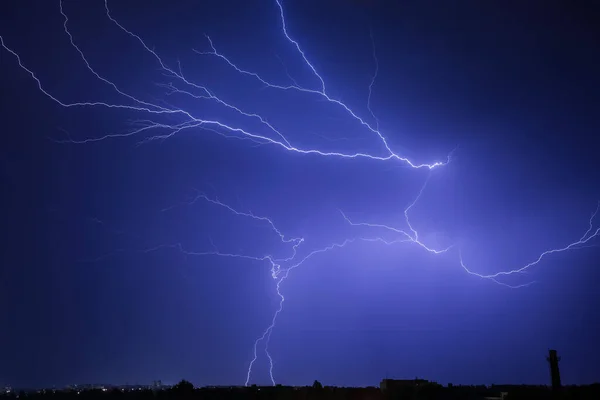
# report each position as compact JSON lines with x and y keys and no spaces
{"x":427,"y":391}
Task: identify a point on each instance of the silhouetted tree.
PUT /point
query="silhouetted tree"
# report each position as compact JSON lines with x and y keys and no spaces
{"x":317,"y":385}
{"x":184,"y":387}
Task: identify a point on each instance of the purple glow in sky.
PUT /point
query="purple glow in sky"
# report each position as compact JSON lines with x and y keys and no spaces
{"x":306,"y":142}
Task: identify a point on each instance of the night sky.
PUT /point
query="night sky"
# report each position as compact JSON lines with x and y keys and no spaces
{"x":97,"y":280}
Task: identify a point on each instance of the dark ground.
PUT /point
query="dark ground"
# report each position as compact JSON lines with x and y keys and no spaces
{"x":185,"y":390}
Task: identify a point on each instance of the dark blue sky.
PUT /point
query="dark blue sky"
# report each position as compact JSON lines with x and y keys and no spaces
{"x":513,"y":87}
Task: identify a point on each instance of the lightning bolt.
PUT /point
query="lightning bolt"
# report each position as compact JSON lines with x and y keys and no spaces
{"x":154,"y":128}
{"x":582,"y":242}
{"x":278,"y":273}
{"x":410,"y":235}
{"x":413,"y":236}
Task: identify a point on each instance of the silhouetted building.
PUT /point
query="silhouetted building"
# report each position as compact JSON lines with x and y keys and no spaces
{"x":553,"y":360}
{"x":391,"y":384}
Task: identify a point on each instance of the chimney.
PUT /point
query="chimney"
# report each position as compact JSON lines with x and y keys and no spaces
{"x":553,"y":360}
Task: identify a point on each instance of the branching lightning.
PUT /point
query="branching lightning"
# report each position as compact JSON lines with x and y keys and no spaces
{"x":582,"y":242}
{"x":280,"y":268}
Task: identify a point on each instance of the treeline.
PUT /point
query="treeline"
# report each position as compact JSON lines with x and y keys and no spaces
{"x":185,"y":390}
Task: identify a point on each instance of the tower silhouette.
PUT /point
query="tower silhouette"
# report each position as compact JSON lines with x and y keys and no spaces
{"x":553,"y":360}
